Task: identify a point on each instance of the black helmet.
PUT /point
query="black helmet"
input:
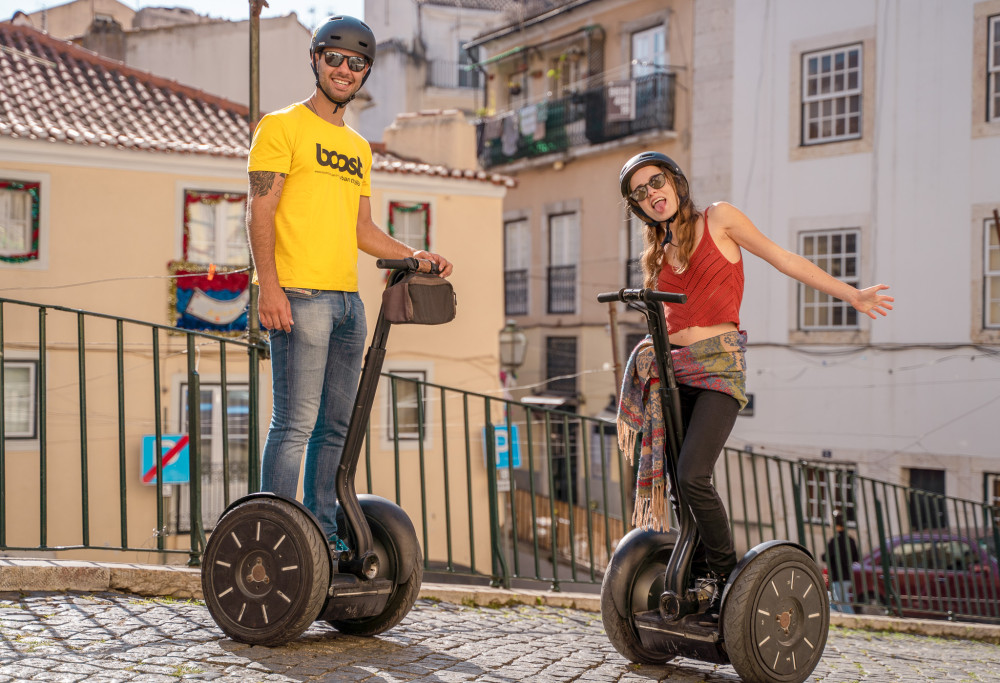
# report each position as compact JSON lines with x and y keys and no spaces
{"x":651,"y":159}
{"x":347,"y":33}
{"x":344,"y":32}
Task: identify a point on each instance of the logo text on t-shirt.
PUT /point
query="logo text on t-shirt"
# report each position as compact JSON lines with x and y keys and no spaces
{"x":339,"y":162}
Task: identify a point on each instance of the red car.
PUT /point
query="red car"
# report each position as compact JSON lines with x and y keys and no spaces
{"x":935,"y":574}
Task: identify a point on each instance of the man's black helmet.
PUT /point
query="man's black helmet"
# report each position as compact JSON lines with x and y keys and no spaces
{"x":651,"y":159}
{"x":347,"y":33}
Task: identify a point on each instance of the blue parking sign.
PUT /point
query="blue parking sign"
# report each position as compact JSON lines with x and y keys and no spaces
{"x":174,"y":457}
{"x":507,"y":448}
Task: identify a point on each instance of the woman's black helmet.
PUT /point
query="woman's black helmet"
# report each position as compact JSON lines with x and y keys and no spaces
{"x":347,"y":33}
{"x":651,"y":159}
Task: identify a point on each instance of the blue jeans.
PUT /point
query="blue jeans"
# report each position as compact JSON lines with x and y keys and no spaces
{"x":315,"y":370}
{"x":841,"y":597}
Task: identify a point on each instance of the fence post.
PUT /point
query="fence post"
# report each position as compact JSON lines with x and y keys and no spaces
{"x":500,"y":574}
{"x":194,"y":449}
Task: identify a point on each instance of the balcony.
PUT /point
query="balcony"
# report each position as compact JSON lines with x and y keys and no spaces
{"x":516,"y":292}
{"x":445,"y":74}
{"x":588,"y":117}
{"x":562,"y":289}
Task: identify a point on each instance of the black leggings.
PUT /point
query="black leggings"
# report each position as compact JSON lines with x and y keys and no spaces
{"x":708,"y":418}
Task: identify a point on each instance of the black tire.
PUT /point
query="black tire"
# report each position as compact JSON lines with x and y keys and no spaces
{"x":633,"y":582}
{"x":385,"y":524}
{"x":776,"y":617}
{"x":266,"y":572}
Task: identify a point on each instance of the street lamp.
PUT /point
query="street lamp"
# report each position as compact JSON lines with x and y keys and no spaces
{"x":513,"y":342}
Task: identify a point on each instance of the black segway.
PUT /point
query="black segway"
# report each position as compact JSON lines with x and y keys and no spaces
{"x":775,"y":611}
{"x":268,"y":570}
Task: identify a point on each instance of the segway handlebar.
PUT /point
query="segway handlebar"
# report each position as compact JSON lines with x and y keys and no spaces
{"x":626,"y":295}
{"x":418,"y":265}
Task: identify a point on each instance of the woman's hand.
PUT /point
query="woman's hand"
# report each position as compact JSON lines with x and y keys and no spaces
{"x":870,"y":302}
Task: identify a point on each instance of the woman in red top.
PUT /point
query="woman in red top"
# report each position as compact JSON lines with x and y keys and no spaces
{"x":699,"y":254}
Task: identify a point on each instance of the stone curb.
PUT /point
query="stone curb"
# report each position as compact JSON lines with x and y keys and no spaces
{"x":28,"y":575}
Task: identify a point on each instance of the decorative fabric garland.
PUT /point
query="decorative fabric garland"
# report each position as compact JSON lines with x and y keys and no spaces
{"x":33,"y":189}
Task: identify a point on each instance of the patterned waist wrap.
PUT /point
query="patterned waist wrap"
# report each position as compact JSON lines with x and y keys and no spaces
{"x":717,"y":363}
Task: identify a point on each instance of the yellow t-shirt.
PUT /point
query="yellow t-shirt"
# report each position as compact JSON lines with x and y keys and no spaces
{"x":327,"y":170}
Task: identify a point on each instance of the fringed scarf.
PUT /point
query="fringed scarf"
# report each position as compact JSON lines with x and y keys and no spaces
{"x":717,"y":363}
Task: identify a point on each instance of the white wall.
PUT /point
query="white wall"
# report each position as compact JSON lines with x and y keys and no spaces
{"x":215,"y":57}
{"x":912,"y":193}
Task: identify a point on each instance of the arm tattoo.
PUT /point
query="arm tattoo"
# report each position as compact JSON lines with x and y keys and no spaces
{"x":261,"y":182}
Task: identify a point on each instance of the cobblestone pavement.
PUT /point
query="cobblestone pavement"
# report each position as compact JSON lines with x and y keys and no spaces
{"x":116,"y":637}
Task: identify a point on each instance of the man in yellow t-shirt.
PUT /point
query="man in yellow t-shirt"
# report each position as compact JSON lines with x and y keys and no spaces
{"x":309,"y":212}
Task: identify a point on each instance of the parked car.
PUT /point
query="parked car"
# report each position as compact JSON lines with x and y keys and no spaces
{"x":936,"y":574}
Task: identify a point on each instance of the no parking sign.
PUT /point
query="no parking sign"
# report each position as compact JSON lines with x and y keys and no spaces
{"x":174,"y":456}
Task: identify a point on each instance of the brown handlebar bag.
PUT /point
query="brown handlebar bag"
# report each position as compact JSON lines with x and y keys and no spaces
{"x":419,"y":299}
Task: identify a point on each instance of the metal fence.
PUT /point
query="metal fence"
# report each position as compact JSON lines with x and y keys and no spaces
{"x":499,"y":490}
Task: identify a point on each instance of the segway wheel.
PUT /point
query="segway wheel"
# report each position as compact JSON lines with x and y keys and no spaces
{"x":776,"y":617}
{"x":266,"y":572}
{"x":633,"y":583}
{"x":393,"y":535}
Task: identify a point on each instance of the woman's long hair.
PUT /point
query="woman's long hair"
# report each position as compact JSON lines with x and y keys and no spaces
{"x":683,"y":233}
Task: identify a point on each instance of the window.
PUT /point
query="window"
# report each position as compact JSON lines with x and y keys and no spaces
{"x":468,"y":77}
{"x":831,"y":95}
{"x":215,"y":228}
{"x":410,"y":223}
{"x":836,"y":252}
{"x":633,"y":269}
{"x":927,"y":504}
{"x":517,"y":261}
{"x":20,"y":399}
{"x":564,"y":254}
{"x":991,"y":274}
{"x":993,"y":70}
{"x":410,"y":396}
{"x":828,"y":489}
{"x":213,"y":456}
{"x":560,"y":365}
{"x":649,"y":51}
{"x":19,"y":209}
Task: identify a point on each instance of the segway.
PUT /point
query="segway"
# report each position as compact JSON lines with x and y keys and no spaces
{"x":269,"y":571}
{"x":775,"y":611}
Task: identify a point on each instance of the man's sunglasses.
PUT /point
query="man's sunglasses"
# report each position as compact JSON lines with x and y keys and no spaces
{"x":640,"y":193}
{"x":335,"y":59}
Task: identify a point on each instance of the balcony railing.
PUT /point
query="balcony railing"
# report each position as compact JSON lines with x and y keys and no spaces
{"x":583,"y":118}
{"x":444,"y":74}
{"x":562,"y":289}
{"x":515,"y":292}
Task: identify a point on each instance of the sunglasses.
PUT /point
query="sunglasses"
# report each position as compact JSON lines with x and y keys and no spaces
{"x":335,"y":59}
{"x":640,"y":193}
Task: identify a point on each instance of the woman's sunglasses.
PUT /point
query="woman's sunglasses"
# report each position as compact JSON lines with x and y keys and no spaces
{"x":640,"y":193}
{"x":335,"y":59}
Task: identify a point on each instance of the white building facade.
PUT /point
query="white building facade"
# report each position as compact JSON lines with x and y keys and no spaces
{"x":865,"y":136}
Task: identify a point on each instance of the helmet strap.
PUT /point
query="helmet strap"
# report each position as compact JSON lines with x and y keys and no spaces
{"x":336,"y":105}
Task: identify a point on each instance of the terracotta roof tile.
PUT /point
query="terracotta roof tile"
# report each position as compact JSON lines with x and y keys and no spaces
{"x":58,"y":91}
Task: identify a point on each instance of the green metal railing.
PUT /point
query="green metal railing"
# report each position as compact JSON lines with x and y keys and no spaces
{"x":499,"y":490}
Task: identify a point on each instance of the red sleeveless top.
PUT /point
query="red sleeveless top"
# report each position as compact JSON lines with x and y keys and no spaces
{"x":714,"y":287}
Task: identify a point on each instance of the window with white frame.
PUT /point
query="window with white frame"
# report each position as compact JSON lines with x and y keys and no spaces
{"x":410,"y":223}
{"x":633,"y":268}
{"x":215,"y":451}
{"x":407,"y":405}
{"x":829,"y":488}
{"x":993,"y":70}
{"x":20,"y":399}
{"x":991,"y":274}
{"x":564,"y":255}
{"x":215,"y":228}
{"x":19,"y":207}
{"x":649,"y":51}
{"x":517,"y":264}
{"x":831,"y":95}
{"x":836,"y":252}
